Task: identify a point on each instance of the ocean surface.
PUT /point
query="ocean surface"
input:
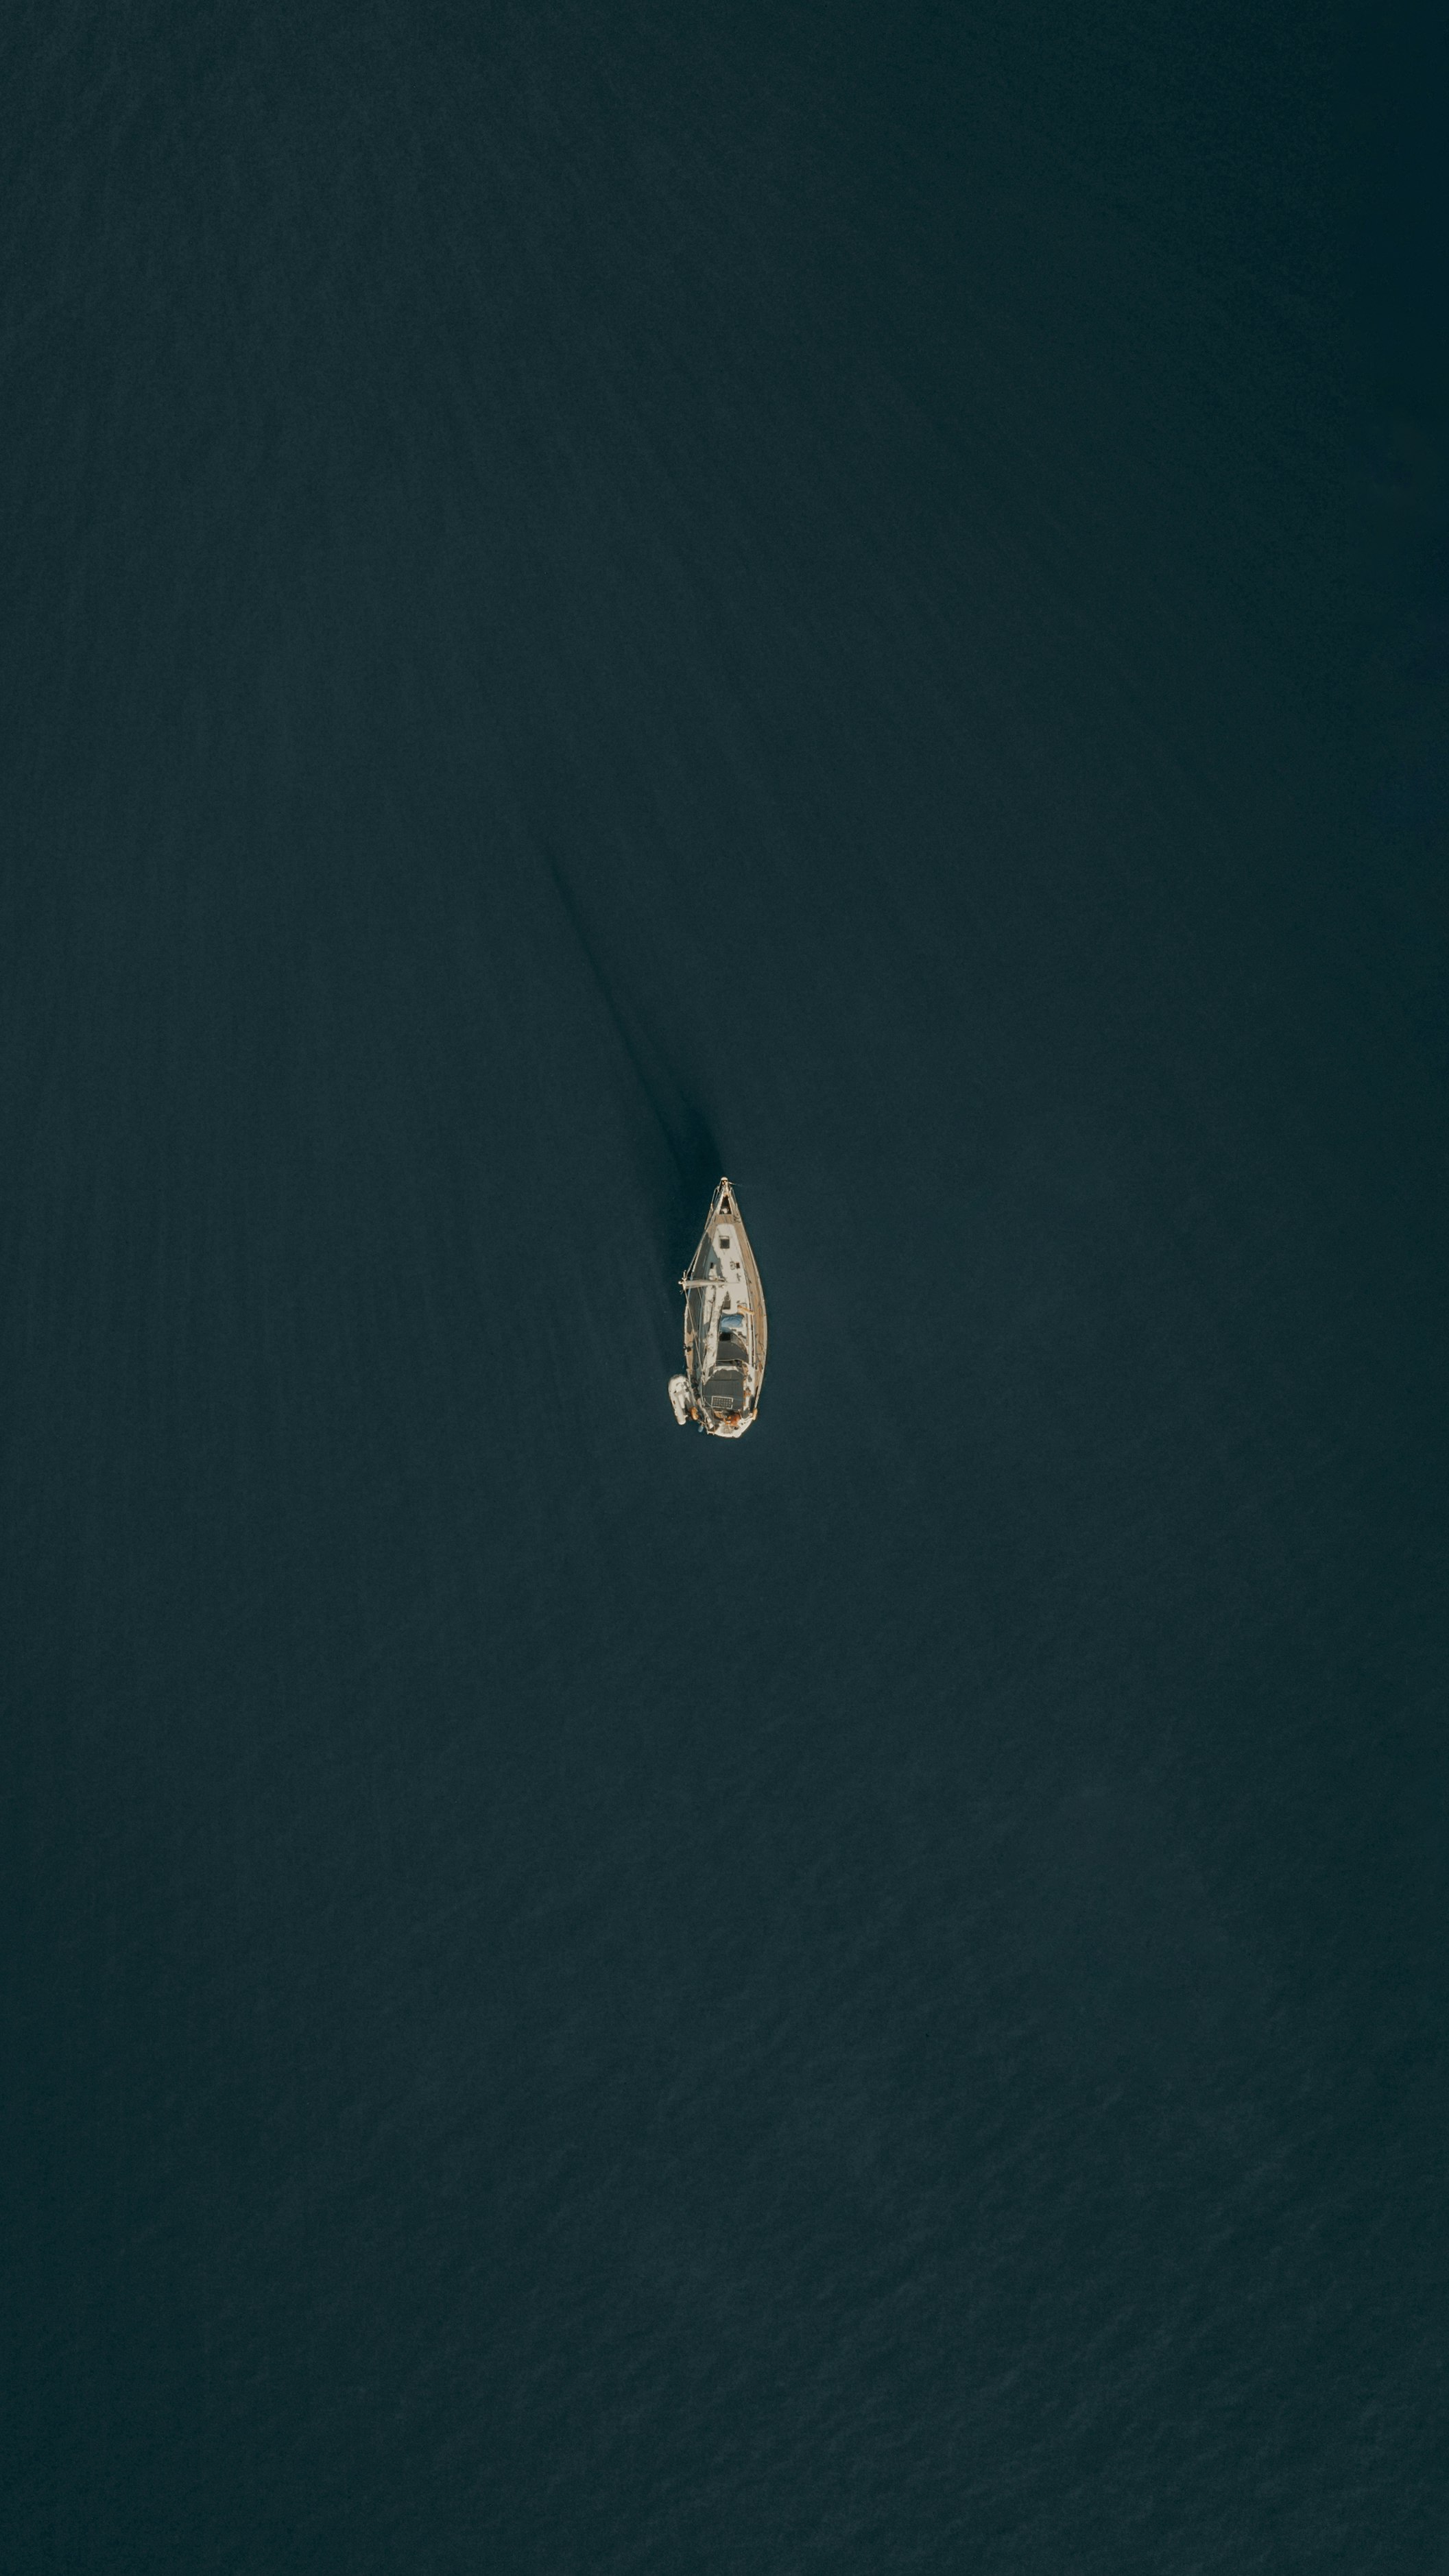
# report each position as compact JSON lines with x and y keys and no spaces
{"x":592,"y":598}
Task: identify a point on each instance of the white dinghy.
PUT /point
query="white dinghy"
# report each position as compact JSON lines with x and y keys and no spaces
{"x":724,"y":1327}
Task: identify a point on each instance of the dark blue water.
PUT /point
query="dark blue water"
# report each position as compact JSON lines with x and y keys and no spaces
{"x":593,"y":598}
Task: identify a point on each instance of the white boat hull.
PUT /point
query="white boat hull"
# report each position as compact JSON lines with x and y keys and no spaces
{"x":725,"y":1331}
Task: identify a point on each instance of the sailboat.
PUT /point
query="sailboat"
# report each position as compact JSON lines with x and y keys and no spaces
{"x":724,"y":1327}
